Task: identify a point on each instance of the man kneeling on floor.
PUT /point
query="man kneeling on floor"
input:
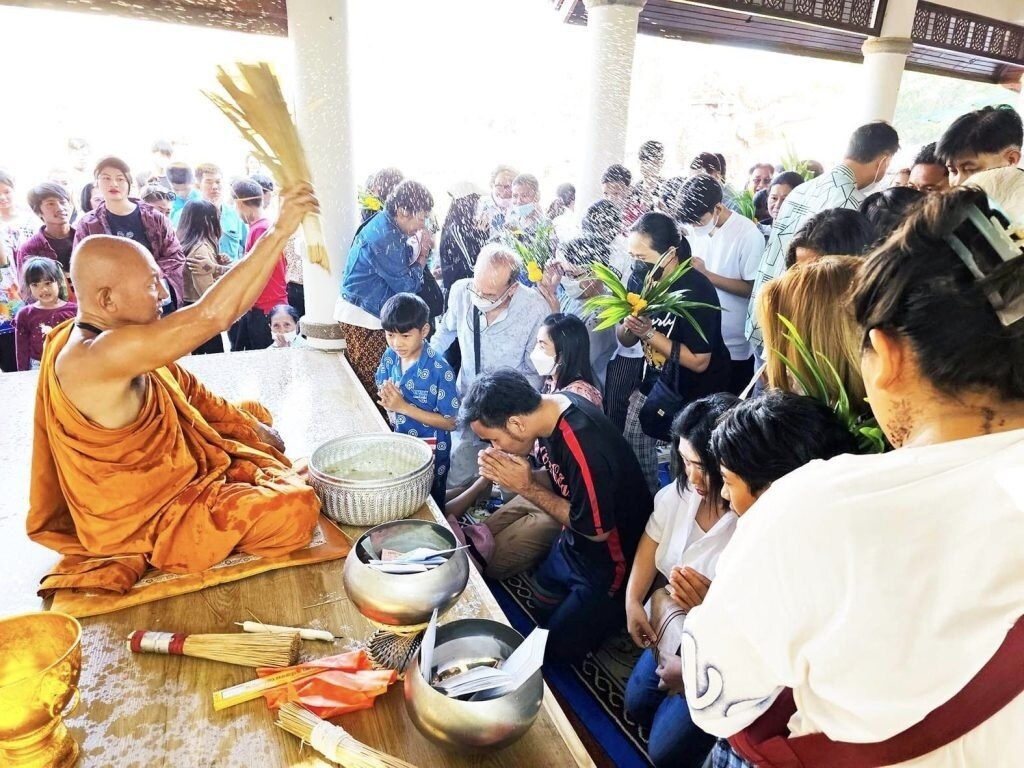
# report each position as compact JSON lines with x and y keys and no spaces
{"x":591,"y":484}
{"x":134,"y":462}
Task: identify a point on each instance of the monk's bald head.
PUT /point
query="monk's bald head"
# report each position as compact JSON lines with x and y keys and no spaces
{"x":117,"y":277}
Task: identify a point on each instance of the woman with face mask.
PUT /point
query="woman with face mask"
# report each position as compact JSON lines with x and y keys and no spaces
{"x":284,"y":327}
{"x":562,"y":357}
{"x":701,"y":364}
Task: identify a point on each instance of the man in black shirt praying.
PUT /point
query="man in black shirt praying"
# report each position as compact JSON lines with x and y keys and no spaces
{"x":591,"y":483}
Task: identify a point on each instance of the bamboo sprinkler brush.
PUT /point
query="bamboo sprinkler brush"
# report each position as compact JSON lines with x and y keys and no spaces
{"x":246,"y":650}
{"x":333,"y":741}
{"x":255,"y":105}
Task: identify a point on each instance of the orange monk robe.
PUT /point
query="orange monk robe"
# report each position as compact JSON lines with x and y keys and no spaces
{"x":184,"y":486}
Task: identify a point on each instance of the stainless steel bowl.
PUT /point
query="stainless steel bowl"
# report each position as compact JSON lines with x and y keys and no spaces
{"x":471,"y":726}
{"x":405,"y":599}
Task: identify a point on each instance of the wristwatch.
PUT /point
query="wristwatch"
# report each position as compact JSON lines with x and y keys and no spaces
{"x":649,"y":335}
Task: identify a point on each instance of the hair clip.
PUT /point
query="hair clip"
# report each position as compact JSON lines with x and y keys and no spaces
{"x":1009,"y":309}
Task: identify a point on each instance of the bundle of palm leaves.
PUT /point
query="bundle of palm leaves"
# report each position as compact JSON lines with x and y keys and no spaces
{"x":865,"y":429}
{"x":655,"y":297}
{"x":745,"y":204}
{"x":534,"y":249}
{"x":256,"y":106}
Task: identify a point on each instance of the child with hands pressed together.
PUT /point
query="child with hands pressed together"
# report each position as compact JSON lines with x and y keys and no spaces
{"x":415,"y":384}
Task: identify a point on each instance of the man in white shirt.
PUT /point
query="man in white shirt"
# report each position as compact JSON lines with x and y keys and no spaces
{"x":495,"y":318}
{"x":727,"y":249}
{"x":864,"y":166}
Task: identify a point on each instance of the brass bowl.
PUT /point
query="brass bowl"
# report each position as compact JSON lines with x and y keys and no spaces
{"x":40,"y":661}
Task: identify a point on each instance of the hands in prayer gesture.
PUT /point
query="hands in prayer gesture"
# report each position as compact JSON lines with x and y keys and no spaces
{"x":510,"y":472}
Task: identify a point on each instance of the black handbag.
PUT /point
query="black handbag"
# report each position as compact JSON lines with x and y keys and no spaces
{"x":431,"y":293}
{"x":663,"y":401}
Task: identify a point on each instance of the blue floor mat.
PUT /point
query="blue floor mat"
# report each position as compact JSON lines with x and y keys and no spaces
{"x":592,"y":688}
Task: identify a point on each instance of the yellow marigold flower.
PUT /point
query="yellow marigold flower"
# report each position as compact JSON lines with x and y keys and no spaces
{"x":637,"y":302}
{"x":534,"y":272}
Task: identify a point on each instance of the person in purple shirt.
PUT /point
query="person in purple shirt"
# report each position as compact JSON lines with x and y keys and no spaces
{"x":55,"y":239}
{"x":44,"y":281}
{"x":123,"y":216}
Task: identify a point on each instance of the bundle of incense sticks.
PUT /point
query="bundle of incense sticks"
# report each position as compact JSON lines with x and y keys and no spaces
{"x":333,"y":741}
{"x":247,"y":650}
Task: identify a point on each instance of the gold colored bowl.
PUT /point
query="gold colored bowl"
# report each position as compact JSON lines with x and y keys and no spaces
{"x":40,"y":661}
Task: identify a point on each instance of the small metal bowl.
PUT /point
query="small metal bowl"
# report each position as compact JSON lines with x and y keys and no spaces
{"x":471,"y":726}
{"x":405,"y":599}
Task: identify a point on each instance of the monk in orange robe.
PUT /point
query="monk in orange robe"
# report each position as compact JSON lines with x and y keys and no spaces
{"x":134,"y":462}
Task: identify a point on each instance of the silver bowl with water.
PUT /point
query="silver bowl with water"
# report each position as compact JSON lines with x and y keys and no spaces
{"x":471,"y":726}
{"x":405,"y":599}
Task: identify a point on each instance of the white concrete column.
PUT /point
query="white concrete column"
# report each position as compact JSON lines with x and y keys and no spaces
{"x":885,"y":57}
{"x":318,"y":30}
{"x":611,"y":26}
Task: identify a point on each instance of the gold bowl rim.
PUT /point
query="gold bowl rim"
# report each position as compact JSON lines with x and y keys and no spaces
{"x":71,"y":649}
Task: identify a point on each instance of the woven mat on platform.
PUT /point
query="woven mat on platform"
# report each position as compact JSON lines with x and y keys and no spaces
{"x":329,"y":543}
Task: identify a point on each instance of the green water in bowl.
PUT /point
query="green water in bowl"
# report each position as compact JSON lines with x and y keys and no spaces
{"x":369,"y":466}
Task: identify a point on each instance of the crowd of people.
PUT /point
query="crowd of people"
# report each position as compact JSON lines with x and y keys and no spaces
{"x":841,"y":412}
{"x":851,"y":308}
{"x":178,"y":213}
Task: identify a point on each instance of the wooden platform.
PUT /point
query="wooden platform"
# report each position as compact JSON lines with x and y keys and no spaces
{"x":151,"y":711}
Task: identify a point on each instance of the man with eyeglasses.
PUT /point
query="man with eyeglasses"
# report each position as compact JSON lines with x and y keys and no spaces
{"x":495,"y":318}
{"x":493,"y":209}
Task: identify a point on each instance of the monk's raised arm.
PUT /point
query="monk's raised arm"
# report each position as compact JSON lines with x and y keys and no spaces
{"x":120,"y":294}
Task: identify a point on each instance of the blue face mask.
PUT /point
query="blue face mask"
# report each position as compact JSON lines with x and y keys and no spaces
{"x":522,"y":211}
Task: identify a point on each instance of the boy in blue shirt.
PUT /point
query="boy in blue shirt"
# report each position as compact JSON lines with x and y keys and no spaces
{"x":416,"y":384}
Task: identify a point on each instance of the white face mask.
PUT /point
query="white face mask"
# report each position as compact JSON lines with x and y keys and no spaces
{"x":875,"y":186}
{"x":573,"y":288}
{"x":289,"y":337}
{"x":705,"y":229}
{"x":487,"y":306}
{"x":542,"y":361}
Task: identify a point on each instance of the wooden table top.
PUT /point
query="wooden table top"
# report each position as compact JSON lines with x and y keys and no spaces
{"x":147,"y":711}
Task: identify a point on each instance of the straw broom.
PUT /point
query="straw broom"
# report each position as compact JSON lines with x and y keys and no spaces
{"x":246,"y":650}
{"x":333,"y":741}
{"x":257,"y":108}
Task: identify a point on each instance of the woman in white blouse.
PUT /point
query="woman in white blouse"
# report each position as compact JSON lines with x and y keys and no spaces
{"x":689,"y":528}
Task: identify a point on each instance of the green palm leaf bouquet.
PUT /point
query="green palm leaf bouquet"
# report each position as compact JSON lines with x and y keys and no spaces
{"x":745,"y":204}
{"x":655,"y":297}
{"x":534,"y":249}
{"x":820,"y":372}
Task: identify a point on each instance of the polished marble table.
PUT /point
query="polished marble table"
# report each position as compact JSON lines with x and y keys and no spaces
{"x":151,"y":711}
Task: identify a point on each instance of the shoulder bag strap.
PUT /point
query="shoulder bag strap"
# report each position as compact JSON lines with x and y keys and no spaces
{"x":998,"y":683}
{"x":476,"y":341}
